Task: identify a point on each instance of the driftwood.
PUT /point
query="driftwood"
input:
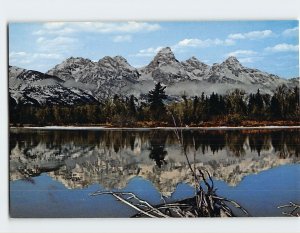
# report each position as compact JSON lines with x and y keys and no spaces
{"x":294,"y":209}
{"x":205,"y":202}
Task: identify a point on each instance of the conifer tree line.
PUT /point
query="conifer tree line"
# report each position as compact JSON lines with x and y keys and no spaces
{"x":232,"y":108}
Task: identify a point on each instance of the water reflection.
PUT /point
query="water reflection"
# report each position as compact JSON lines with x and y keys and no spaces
{"x":157,"y":142}
{"x":111,"y":158}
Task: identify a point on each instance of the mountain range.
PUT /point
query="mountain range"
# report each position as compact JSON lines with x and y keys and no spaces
{"x":79,"y":80}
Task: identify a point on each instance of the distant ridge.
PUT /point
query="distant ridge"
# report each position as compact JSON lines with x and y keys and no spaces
{"x":83,"y":80}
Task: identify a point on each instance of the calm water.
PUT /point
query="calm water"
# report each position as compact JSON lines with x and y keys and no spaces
{"x":52,"y":172}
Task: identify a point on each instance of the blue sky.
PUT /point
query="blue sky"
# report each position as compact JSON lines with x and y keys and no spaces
{"x":271,"y":46}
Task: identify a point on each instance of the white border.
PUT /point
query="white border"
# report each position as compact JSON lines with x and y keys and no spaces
{"x":154,"y":10}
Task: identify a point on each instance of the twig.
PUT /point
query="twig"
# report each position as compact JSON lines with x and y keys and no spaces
{"x":295,"y":212}
{"x":119,"y":195}
{"x":180,"y":140}
{"x":222,"y":199}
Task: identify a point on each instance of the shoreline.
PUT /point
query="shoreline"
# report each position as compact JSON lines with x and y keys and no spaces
{"x":155,"y":128}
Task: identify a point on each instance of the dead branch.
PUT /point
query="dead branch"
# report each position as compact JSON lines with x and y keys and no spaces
{"x":295,"y":212}
{"x":121,"y":197}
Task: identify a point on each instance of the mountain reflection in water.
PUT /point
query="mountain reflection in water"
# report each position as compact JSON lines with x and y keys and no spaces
{"x":112,"y":158}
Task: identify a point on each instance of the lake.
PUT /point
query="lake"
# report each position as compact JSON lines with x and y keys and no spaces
{"x":52,"y":172}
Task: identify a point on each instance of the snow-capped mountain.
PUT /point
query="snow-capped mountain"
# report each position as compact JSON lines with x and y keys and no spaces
{"x":105,"y":77}
{"x":196,"y":68}
{"x":68,"y":69}
{"x":36,"y":88}
{"x":165,"y":68}
{"x":231,"y":71}
{"x":78,"y":80}
{"x":192,"y":77}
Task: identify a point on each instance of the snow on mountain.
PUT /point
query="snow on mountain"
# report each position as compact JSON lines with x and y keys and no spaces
{"x":231,"y":71}
{"x":107,"y":76}
{"x":68,"y":69}
{"x":192,"y":77}
{"x":36,"y":88}
{"x":114,"y":75}
{"x":196,"y":68}
{"x":165,"y":68}
{"x":14,"y":71}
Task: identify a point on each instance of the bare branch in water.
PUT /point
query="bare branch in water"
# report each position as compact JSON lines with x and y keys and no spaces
{"x":295,"y":212}
{"x":181,"y":143}
{"x":121,"y":197}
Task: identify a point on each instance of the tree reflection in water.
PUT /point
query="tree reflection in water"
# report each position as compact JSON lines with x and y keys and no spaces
{"x":122,"y":151}
{"x":157,"y":147}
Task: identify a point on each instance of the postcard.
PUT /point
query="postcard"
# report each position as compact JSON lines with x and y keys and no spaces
{"x":154,"y":119}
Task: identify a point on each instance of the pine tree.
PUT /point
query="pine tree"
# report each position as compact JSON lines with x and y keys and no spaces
{"x":195,"y":108}
{"x":275,"y":107}
{"x":132,"y":107}
{"x":155,"y":98}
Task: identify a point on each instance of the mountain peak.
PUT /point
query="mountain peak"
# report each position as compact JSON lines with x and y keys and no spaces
{"x":164,"y":56}
{"x":115,"y":59}
{"x":232,"y":60}
{"x":105,"y":58}
{"x":77,"y":59}
{"x":195,"y":62}
{"x":193,"y":58}
{"x":123,"y":62}
{"x":165,"y":50}
{"x":121,"y":59}
{"x":66,"y":69}
{"x":115,"y":62}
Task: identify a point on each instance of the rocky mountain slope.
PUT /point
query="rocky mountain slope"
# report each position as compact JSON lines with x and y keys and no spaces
{"x":36,"y":88}
{"x":106,"y":77}
{"x":84,"y":79}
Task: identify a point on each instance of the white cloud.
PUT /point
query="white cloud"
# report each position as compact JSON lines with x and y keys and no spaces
{"x":13,"y":55}
{"x":185,"y":43}
{"x":96,"y":27}
{"x":202,"y":43}
{"x":249,"y":59}
{"x":54,"y":25}
{"x":40,"y":39}
{"x":47,"y":49}
{"x":239,"y":53}
{"x":54,"y":56}
{"x":245,"y":56}
{"x":246,"y":60}
{"x":27,"y":58}
{"x":283,"y":48}
{"x":149,"y":52}
{"x":122,"y":38}
{"x":251,"y":35}
{"x":58,"y":44}
{"x":54,"y":31}
{"x":291,"y":32}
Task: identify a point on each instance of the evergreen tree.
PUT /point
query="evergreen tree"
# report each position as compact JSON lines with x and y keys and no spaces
{"x":195,"y":109}
{"x":275,"y":108}
{"x":155,"y":98}
{"x":132,"y":107}
{"x":236,"y":103}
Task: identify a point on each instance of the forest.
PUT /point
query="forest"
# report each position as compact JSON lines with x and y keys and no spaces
{"x":158,"y":109}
